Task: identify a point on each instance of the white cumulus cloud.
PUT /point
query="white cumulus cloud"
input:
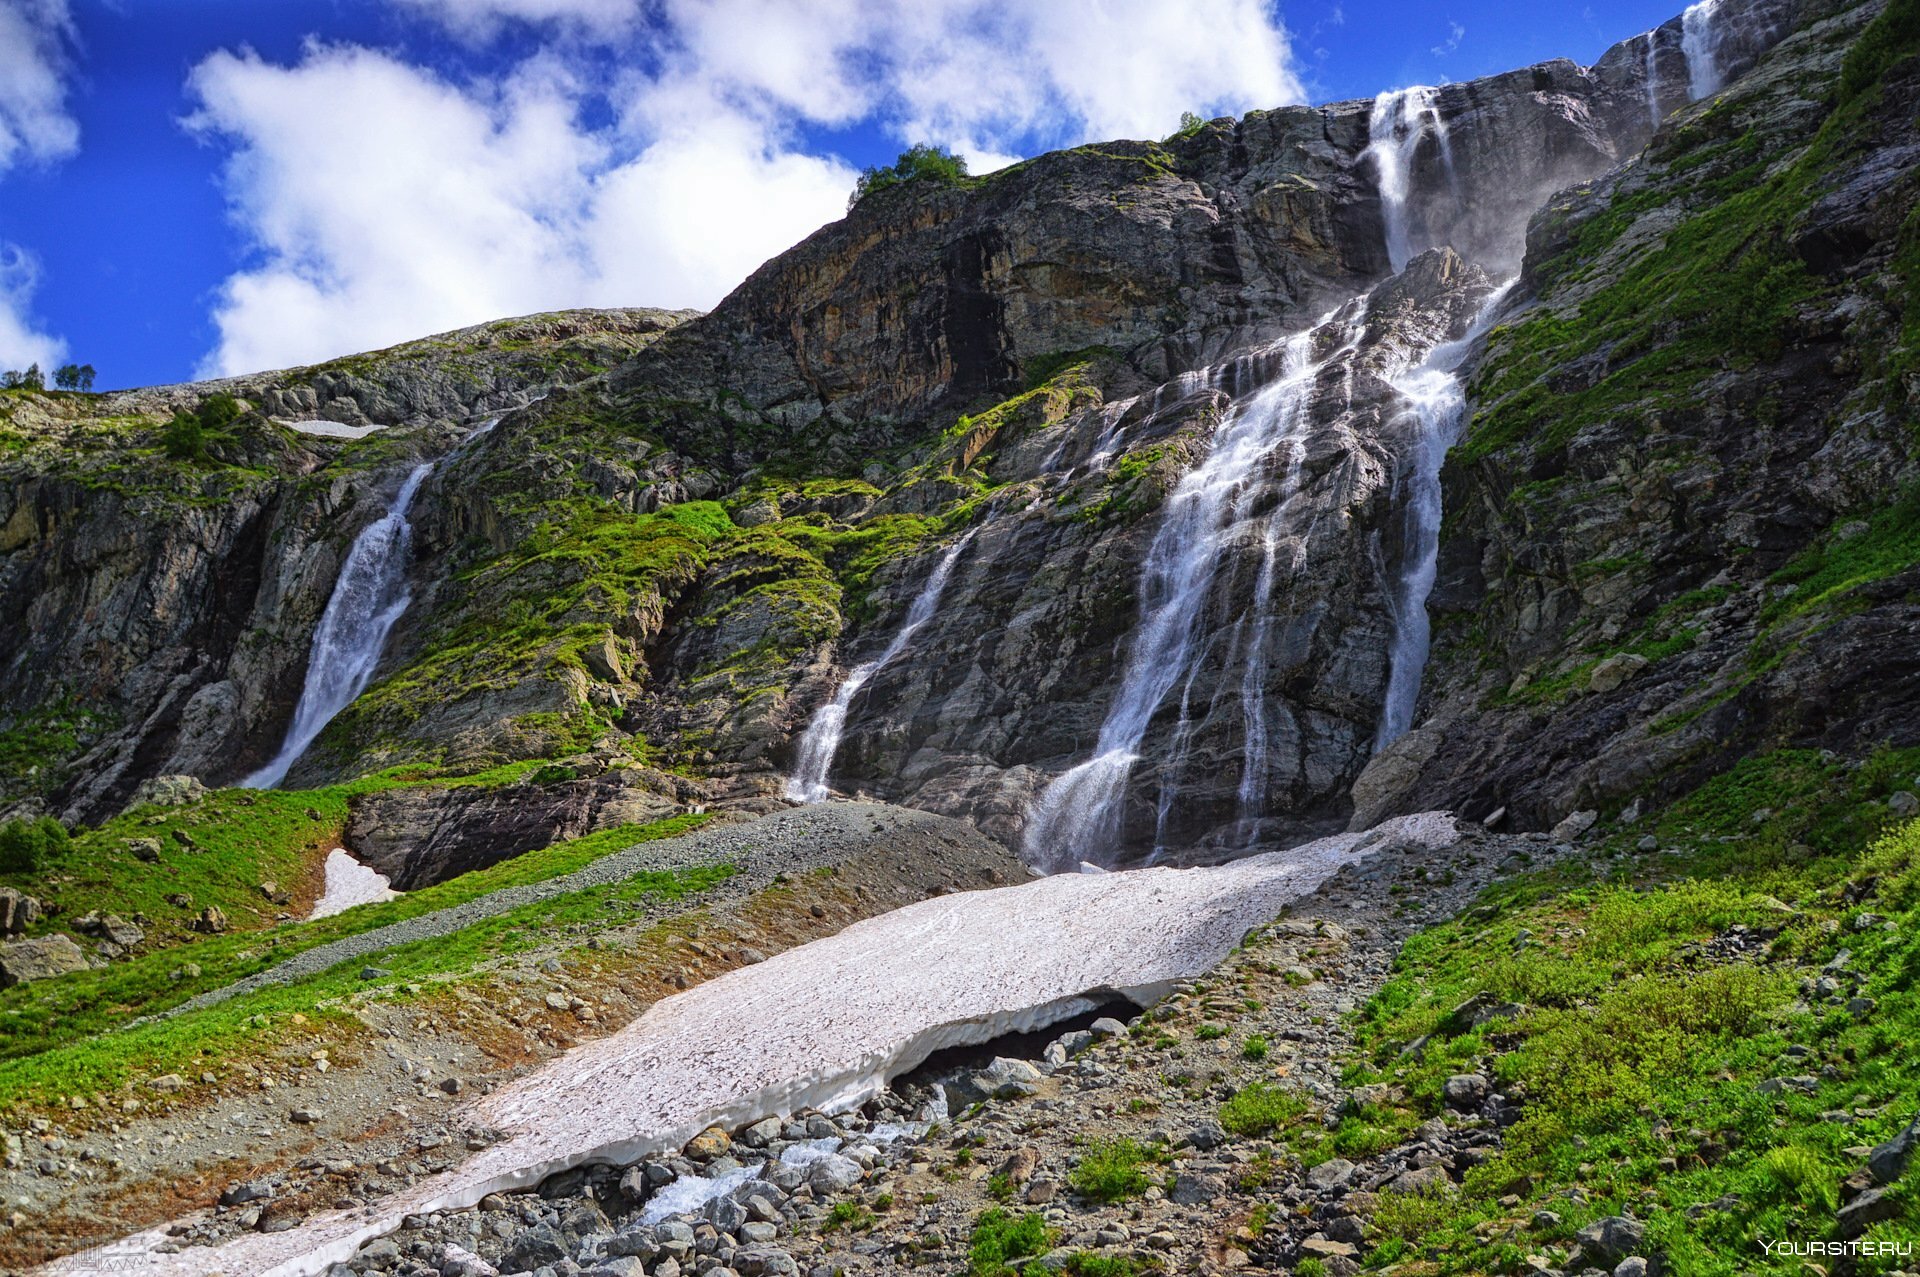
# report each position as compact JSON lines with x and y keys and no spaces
{"x":484,"y":19}
{"x":21,"y":343}
{"x":385,"y":199}
{"x":34,"y":127}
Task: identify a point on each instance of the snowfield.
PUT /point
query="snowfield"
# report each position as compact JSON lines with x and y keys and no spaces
{"x":825,"y":1025}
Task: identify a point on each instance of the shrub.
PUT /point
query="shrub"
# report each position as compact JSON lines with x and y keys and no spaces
{"x":916,"y":163}
{"x":999,"y":1237}
{"x":1110,"y":1170}
{"x":1261,"y":1109}
{"x":190,"y":434}
{"x":1255,"y":1048}
{"x":1208,"y":1032}
{"x":28,"y":845}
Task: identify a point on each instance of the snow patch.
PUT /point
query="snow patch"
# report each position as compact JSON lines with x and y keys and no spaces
{"x":350,"y":883}
{"x":826,"y":1025}
{"x":331,"y":429}
{"x":690,"y":1192}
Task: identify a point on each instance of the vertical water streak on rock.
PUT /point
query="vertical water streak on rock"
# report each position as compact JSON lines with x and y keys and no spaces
{"x":1436,"y":402}
{"x":1253,"y":681}
{"x":1077,"y":818}
{"x":1400,"y":121}
{"x":367,"y":599}
{"x":1700,"y":42}
{"x":821,"y":741}
{"x":1653,"y":78}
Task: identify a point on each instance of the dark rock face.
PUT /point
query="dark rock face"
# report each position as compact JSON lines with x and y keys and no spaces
{"x":169,"y":608}
{"x":420,"y":837}
{"x":1651,"y":578}
{"x":697,"y":546}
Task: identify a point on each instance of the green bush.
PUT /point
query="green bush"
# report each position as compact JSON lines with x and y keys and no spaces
{"x":999,"y":1237}
{"x":1255,"y":1048}
{"x":931,"y":163}
{"x":27,"y":846}
{"x":1261,"y":1109}
{"x":1110,"y":1170}
{"x":190,"y":435}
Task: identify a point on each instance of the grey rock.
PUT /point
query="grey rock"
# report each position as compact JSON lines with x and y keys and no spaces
{"x":1608,"y":1241}
{"x":1331,"y":1174}
{"x":1889,"y":1161}
{"x":1465,"y":1091}
{"x":40,"y":958}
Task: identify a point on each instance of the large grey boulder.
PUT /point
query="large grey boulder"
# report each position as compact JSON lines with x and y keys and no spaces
{"x":40,"y":958}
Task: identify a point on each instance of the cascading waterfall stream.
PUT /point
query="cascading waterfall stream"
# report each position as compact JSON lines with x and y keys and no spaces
{"x":1700,"y":41}
{"x":821,"y":741}
{"x":1436,"y":402}
{"x":1077,"y":818}
{"x":1653,"y":78}
{"x":368,"y":598}
{"x":1401,"y":120}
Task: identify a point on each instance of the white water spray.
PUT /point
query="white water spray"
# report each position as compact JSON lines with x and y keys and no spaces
{"x":368,"y":598}
{"x":1436,"y":403}
{"x":1700,"y":41}
{"x":1401,"y":120}
{"x":821,"y":740}
{"x":1077,"y":818}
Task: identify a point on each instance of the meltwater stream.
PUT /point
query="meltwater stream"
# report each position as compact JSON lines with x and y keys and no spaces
{"x":821,"y":741}
{"x":368,"y":598}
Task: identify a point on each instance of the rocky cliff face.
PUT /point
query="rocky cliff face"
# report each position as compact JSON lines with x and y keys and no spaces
{"x":1682,"y":526}
{"x":157,"y":613}
{"x":681,"y":551}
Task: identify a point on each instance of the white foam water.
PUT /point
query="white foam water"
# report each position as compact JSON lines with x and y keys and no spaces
{"x":1402,"y":119}
{"x":1077,"y":818}
{"x":1700,"y":41}
{"x":1436,"y":404}
{"x":821,"y":741}
{"x":368,"y":597}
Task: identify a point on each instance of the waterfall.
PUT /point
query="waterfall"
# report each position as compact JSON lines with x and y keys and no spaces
{"x":1077,"y":818}
{"x":1700,"y":41}
{"x":821,"y":741}
{"x":1436,"y":404}
{"x":368,"y":598}
{"x":1400,"y":122}
{"x":1653,"y":78}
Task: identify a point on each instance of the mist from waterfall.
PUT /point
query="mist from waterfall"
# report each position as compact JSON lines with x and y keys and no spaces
{"x":1077,"y":819}
{"x":367,"y":599}
{"x":821,"y":740}
{"x":1401,"y":121}
{"x":1700,"y":41}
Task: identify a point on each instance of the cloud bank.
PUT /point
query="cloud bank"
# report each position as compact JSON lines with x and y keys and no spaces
{"x":385,"y":198}
{"x":34,"y":128}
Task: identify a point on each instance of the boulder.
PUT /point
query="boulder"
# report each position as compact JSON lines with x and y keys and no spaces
{"x":168,"y":791}
{"x":18,"y":911}
{"x":1605,"y":1242}
{"x":1615,"y":671}
{"x":40,"y":958}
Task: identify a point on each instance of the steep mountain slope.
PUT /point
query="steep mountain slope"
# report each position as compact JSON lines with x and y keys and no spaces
{"x":1682,"y":527}
{"x":673,"y":557}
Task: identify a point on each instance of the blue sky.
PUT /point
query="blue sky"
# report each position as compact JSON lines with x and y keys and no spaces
{"x":192,"y":187}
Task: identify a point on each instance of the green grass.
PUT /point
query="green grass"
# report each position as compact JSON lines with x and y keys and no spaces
{"x":1633,"y":1052}
{"x":849,"y":1215}
{"x":1260,"y":1109}
{"x":1114,"y":1170}
{"x":194,"y":1040}
{"x":47,"y":1014}
{"x":1001,"y":1238}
